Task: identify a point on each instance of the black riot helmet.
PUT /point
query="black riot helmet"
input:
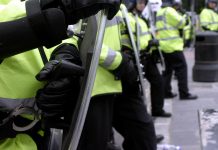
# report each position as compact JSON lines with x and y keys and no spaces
{"x":211,"y":4}
{"x":167,"y":3}
{"x":132,"y":4}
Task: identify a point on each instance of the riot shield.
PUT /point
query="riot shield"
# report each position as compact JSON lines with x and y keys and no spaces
{"x":90,"y":52}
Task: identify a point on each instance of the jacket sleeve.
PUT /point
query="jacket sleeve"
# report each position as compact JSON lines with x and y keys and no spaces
{"x":109,"y":58}
{"x":204,"y":18}
{"x":175,"y":19}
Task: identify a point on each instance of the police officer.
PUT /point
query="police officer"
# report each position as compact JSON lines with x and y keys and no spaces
{"x":114,"y":67}
{"x":187,"y":31}
{"x":19,"y":86}
{"x":131,"y":118}
{"x":148,"y":58}
{"x":168,"y":24}
{"x":208,"y":16}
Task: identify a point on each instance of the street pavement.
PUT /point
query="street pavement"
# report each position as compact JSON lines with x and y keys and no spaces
{"x":182,"y":128}
{"x":184,"y":125}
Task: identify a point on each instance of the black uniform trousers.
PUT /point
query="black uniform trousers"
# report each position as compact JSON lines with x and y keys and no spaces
{"x":98,"y":124}
{"x":176,"y":62}
{"x":155,"y":79}
{"x":132,"y":120}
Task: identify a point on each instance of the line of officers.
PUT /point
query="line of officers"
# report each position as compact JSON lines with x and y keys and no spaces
{"x":53,"y":87}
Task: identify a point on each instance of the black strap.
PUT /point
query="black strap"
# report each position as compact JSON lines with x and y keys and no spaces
{"x":43,"y":55}
{"x":39,"y":23}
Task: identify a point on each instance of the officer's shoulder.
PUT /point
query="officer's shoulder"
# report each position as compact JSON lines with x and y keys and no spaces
{"x":170,"y":9}
{"x":205,"y":10}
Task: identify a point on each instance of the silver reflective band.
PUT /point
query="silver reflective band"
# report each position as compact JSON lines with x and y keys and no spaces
{"x":209,"y":23}
{"x":145,"y":33}
{"x":170,"y":38}
{"x":119,"y":19}
{"x":126,"y":42}
{"x":7,"y":104}
{"x":114,"y":21}
{"x":142,"y":33}
{"x":109,"y":59}
{"x":180,"y":23}
{"x":166,"y":28}
{"x":160,"y":18}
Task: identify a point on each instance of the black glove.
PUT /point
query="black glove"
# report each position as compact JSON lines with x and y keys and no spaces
{"x":151,"y":43}
{"x":144,"y":55}
{"x":181,"y":10}
{"x":126,"y":72}
{"x":79,"y":9}
{"x":62,"y":72}
{"x":187,"y":20}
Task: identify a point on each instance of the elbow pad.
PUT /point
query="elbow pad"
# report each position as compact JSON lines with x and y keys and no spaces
{"x":44,"y":28}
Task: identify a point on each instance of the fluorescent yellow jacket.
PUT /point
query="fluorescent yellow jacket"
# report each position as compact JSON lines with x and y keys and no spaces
{"x":209,"y":19}
{"x":168,"y":23}
{"x":110,"y":59}
{"x":4,"y":2}
{"x":144,"y":33}
{"x":17,"y":79}
{"x":13,"y":10}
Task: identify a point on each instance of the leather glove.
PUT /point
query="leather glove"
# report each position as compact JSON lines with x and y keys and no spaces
{"x":126,"y":72}
{"x":79,"y":9}
{"x":57,"y":97}
{"x":153,"y":42}
{"x":181,"y":10}
{"x":144,"y":55}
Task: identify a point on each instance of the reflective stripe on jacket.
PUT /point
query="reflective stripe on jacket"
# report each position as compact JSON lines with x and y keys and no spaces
{"x":110,"y":59}
{"x":168,"y":23}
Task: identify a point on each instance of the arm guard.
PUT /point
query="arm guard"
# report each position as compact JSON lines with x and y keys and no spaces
{"x":22,"y":34}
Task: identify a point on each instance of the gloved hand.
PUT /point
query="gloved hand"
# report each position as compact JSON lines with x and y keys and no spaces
{"x":126,"y":72}
{"x":62,"y":72}
{"x":79,"y":9}
{"x":181,"y":10}
{"x":153,"y":42}
{"x":187,"y":20}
